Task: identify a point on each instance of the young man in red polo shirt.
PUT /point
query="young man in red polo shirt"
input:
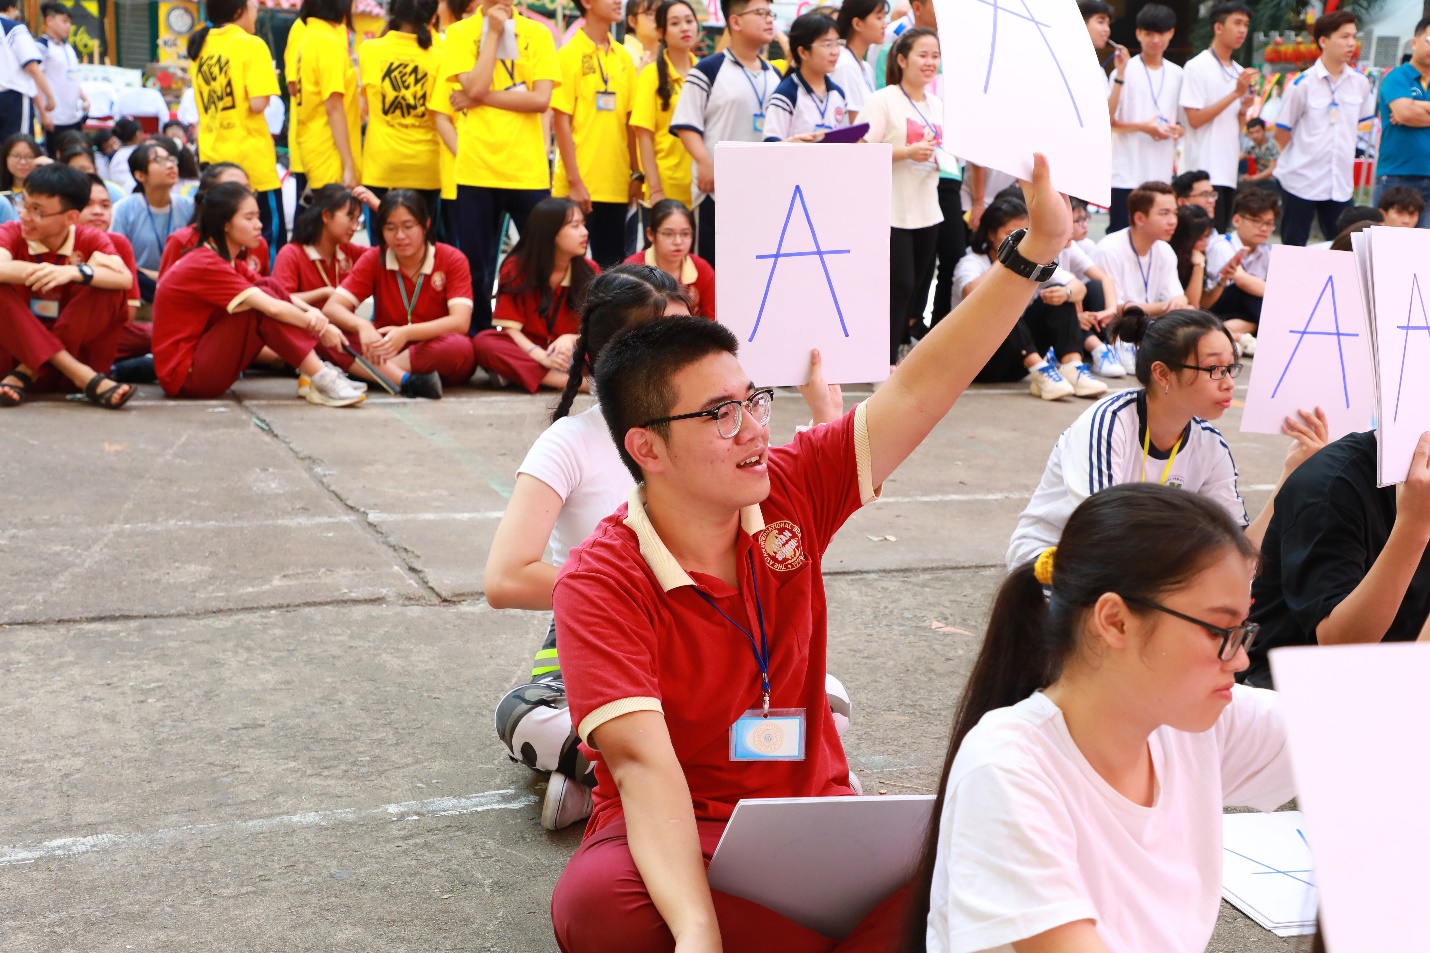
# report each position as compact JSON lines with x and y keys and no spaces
{"x":62,"y":294}
{"x":699,"y":605}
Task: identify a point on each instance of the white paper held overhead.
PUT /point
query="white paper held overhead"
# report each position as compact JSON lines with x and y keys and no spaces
{"x":1399,"y":261}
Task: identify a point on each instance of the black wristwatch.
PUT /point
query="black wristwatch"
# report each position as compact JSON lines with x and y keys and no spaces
{"x":86,"y":273}
{"x":1018,"y":265}
{"x":638,"y":176}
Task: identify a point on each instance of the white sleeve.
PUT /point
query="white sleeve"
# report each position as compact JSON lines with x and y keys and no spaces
{"x":778,"y":115}
{"x":1094,"y":455}
{"x":1111,"y":262}
{"x":876,"y":113}
{"x":1170,"y":286}
{"x":1194,"y":94}
{"x":1255,"y":761}
{"x":1009,"y":849}
{"x":555,"y":458}
{"x":849,"y":76}
{"x":25,"y":47}
{"x":967,"y":269}
{"x":1219,"y":252}
{"x":1075,"y":260}
{"x":1221,"y":482}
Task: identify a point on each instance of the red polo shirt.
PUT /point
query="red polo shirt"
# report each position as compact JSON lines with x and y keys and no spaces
{"x":303,"y":268}
{"x":446,"y":280}
{"x":83,"y":244}
{"x":181,"y":241}
{"x":126,"y":251}
{"x":635,"y":636}
{"x":187,"y":297}
{"x":697,"y":279}
{"x":523,"y":311}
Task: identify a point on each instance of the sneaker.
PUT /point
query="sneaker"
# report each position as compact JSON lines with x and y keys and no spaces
{"x":1048,"y":384}
{"x":566,"y":802}
{"x":422,"y":385}
{"x":1126,"y":356}
{"x":1106,"y":364}
{"x":305,"y":382}
{"x":330,"y":388}
{"x":1084,"y":384}
{"x":854,"y":783}
{"x":1247,"y":345}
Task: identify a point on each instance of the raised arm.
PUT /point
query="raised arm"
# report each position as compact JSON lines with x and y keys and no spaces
{"x":924,"y":387}
{"x":516,"y":577}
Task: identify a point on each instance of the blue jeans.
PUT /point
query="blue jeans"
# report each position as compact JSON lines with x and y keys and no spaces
{"x":1421,"y":183}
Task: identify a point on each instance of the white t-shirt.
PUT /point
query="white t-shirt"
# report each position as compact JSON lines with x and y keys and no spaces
{"x":576,"y":457}
{"x":898,"y":120}
{"x":1031,"y":837}
{"x":1256,"y":263}
{"x":855,"y":77}
{"x":1216,"y":146}
{"x":1318,"y":163}
{"x":795,"y":109}
{"x":1140,"y":279}
{"x":1147,"y":95}
{"x":60,"y":66}
{"x":1074,"y":260}
{"x":1103,"y":448}
{"x":22,"y":51}
{"x":973,"y":264}
{"x":724,"y":102}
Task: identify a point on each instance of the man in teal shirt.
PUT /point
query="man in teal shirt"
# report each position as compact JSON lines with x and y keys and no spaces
{"x":1405,"y":123}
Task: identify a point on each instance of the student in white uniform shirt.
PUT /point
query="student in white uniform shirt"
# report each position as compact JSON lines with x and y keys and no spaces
{"x":1238,"y":262}
{"x":807,"y":103}
{"x":1316,"y":130}
{"x":1143,"y":96}
{"x":1100,"y":737}
{"x":1194,"y":187}
{"x":1215,"y":95}
{"x":61,"y":66}
{"x":1138,"y":258}
{"x":861,"y":26}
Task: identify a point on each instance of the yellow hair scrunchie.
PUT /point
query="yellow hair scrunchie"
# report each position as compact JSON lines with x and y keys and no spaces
{"x":1043,"y":568}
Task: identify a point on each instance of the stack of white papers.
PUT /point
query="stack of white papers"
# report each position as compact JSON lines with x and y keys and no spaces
{"x":1389,"y":263}
{"x":1266,"y":871}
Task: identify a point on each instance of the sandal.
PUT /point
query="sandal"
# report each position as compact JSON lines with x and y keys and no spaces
{"x":111,"y":399}
{"x":13,"y":395}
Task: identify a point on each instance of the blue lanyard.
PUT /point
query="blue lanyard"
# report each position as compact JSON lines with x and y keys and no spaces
{"x":1156,"y":93}
{"x":822,"y":107}
{"x":168,"y":224}
{"x":1146,"y":275}
{"x":922,"y":118}
{"x":510,"y":67}
{"x":761,"y":648}
{"x":1233,"y":74}
{"x":605,"y":83}
{"x":1335,"y":87}
{"x":760,"y":93}
{"x":402,"y":290}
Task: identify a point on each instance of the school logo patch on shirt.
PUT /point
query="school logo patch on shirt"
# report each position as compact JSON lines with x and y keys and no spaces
{"x":439,"y":280}
{"x":781,"y":546}
{"x":588,"y":65}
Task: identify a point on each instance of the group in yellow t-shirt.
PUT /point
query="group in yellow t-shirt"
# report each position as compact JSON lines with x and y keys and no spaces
{"x":325,"y":68}
{"x":234,"y":68}
{"x":596,"y":91}
{"x":652,"y":119}
{"x":292,"y":45}
{"x":399,"y":79}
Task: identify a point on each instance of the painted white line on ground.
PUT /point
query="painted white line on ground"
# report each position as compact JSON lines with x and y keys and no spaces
{"x":503,"y":800}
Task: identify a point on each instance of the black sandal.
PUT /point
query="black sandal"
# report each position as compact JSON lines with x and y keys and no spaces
{"x":110,"y":399}
{"x":16,"y":395}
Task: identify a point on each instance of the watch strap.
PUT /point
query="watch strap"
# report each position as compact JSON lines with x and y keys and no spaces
{"x":1016,"y":263}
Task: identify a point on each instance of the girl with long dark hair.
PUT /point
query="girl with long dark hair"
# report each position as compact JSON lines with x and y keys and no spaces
{"x":182,"y":241}
{"x":326,"y":112}
{"x":861,"y":26}
{"x":422,"y":303}
{"x":211,"y":318}
{"x":1189,"y":241}
{"x":669,"y":239}
{"x":233,"y":80}
{"x":664,"y":160}
{"x":541,"y":285}
{"x":1099,"y":737}
{"x":807,"y":103}
{"x":313,"y":265}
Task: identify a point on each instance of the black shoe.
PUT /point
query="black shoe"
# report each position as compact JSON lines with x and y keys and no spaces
{"x":423,"y":385}
{"x":134,"y":370}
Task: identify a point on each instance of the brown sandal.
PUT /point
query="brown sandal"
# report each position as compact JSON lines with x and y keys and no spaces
{"x":111,"y":399}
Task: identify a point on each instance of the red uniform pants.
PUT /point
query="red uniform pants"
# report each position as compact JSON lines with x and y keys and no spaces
{"x":449,"y":355}
{"x":88,"y":327}
{"x":231,"y":342}
{"x":497,"y":353}
{"x":600,"y":905}
{"x":136,"y":339}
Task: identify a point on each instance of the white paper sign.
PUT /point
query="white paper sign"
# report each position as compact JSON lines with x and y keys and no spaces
{"x":803,"y":262}
{"x":1021,"y":76}
{"x":1354,"y":715}
{"x":1400,"y":275}
{"x":1266,"y":868}
{"x":1312,"y":345}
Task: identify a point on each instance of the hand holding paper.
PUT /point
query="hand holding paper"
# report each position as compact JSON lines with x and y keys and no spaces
{"x":1412,"y":498}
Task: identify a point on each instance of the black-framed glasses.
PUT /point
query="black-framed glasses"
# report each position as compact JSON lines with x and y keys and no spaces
{"x":1233,"y":639}
{"x":729,"y":414}
{"x":1215,"y":371}
{"x":764,"y":13}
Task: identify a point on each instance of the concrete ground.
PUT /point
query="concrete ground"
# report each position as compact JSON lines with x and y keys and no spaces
{"x":248,"y":673}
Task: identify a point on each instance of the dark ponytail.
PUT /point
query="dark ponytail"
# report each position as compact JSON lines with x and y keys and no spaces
{"x":209,"y":178}
{"x":614,"y":300}
{"x":221,"y":205}
{"x":220,"y":13}
{"x":904,"y":46}
{"x":806,"y":30}
{"x":1171,"y":339}
{"x":1116,"y":541}
{"x":417,"y":14}
{"x":331,"y":198}
{"x":662,"y":68}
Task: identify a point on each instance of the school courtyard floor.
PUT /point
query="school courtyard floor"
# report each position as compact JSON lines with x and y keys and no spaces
{"x":248,"y":673}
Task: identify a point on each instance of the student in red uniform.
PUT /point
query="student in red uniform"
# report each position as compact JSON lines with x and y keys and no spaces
{"x":541,"y":285}
{"x":321,"y":252}
{"x":184,"y":239}
{"x":211,"y":318}
{"x":62,"y":294}
{"x":135,"y":340}
{"x":700,"y":604}
{"x":670,"y":237}
{"x":422,"y":303}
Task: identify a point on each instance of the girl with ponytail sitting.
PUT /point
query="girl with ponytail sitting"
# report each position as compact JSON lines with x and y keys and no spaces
{"x":1099,"y":738}
{"x":322,"y":254}
{"x":183,"y":240}
{"x":1160,"y":432}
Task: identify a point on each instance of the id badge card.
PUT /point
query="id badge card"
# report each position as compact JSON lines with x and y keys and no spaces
{"x":780,"y":737}
{"x":947,"y":163}
{"x":1335,"y":113}
{"x":518,"y":87}
{"x":758,"y":121}
{"x":605,"y":101}
{"x":46,"y":309}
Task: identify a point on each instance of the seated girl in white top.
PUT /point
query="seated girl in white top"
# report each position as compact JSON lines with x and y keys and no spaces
{"x":1160,"y":432}
{"x":571,"y":479}
{"x":1099,"y":738}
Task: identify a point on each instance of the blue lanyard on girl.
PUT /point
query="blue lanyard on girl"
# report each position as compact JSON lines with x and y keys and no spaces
{"x":938,"y":137}
{"x":416,"y":292}
{"x":168,"y":224}
{"x":822,"y":107}
{"x":1156,"y":93}
{"x":1146,"y":275}
{"x":761,"y":648}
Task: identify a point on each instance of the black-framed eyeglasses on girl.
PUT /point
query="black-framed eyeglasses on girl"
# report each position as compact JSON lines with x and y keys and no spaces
{"x":1232,"y":639}
{"x":728,"y":415}
{"x":1215,"y":371}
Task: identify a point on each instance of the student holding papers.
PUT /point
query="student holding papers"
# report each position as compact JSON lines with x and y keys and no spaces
{"x":1099,"y":738}
{"x":698,"y":609}
{"x":1143,"y":100}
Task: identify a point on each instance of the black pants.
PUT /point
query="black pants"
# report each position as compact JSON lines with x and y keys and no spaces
{"x":430,"y":197}
{"x":606,"y":226}
{"x":1225,"y":196}
{"x":16,"y":114}
{"x":911,"y":257}
{"x":52,"y":137}
{"x":480,"y":214}
{"x":1041,"y":326}
{"x":705,"y":229}
{"x":447,"y":222}
{"x":1235,"y":303}
{"x":1095,"y":299}
{"x":952,"y":241}
{"x":1117,"y":215}
{"x":275,"y":221}
{"x":1297,"y":214}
